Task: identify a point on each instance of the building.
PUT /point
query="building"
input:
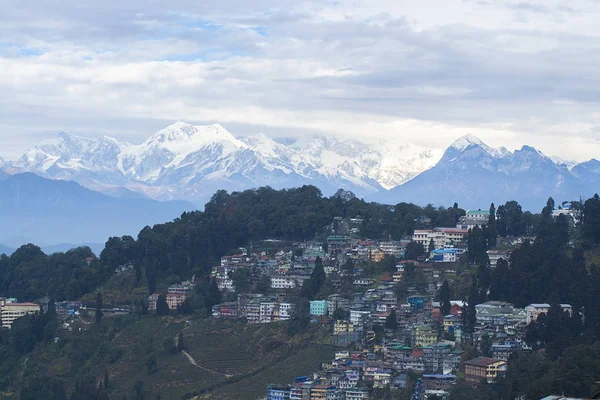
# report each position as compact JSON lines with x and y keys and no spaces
{"x":357,"y":394}
{"x":226,"y":311}
{"x":152,"y":300}
{"x":499,"y":313}
{"x":174,"y":300}
{"x":342,"y":327}
{"x":283,"y":282}
{"x":534,"y":310}
{"x":442,"y":237}
{"x":484,"y":368}
{"x":275,"y":392}
{"x":424,"y":335}
{"x":446,"y":255}
{"x":319,"y":307}
{"x":9,"y":312}
{"x":495,"y":255}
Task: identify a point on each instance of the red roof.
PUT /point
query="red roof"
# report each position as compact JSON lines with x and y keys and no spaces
{"x":417,"y":353}
{"x":483,"y":361}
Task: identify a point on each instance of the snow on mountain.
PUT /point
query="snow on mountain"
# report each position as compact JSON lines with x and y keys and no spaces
{"x":191,"y":162}
{"x":475,"y":175}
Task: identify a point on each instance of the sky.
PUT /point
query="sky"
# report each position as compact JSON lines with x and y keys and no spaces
{"x":426,"y":72}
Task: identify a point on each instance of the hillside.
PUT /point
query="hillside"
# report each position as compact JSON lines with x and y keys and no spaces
{"x":233,"y":360}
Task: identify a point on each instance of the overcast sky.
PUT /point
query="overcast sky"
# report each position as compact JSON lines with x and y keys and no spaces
{"x":425,"y":71}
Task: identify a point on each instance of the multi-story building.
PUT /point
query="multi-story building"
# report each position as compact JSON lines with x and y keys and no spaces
{"x":392,"y":248}
{"x":174,"y":300}
{"x":484,"y":368}
{"x":357,"y":394}
{"x":433,"y":357}
{"x":275,"y":392}
{"x":325,"y":392}
{"x":441,"y":237}
{"x":424,"y":335}
{"x":267,"y":311}
{"x":226,"y":311}
{"x":283,"y":282}
{"x":342,"y":327}
{"x":534,"y":310}
{"x":318,"y":307}
{"x":495,"y":255}
{"x":499,"y":313}
{"x":9,"y":312}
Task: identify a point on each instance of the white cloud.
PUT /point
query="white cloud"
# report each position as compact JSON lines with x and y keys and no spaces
{"x":510,"y":72}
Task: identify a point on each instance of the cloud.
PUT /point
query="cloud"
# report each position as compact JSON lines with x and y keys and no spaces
{"x":509,"y":72}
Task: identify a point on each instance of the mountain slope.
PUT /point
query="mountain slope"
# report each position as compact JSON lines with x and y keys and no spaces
{"x":192,"y":162}
{"x":54,"y":211}
{"x":475,"y":175}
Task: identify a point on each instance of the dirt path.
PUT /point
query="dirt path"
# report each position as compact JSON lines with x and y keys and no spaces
{"x":195,"y":364}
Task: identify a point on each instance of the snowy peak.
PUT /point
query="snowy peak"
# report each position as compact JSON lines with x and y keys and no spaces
{"x":466,"y":141}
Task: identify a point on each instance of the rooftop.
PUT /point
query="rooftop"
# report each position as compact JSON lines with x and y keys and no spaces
{"x":483,"y":361}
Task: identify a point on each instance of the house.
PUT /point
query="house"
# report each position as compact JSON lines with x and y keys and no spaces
{"x":174,"y":300}
{"x":534,"y":310}
{"x":357,"y":394}
{"x":441,"y":237}
{"x":319,"y":307}
{"x":424,"y":335}
{"x":283,"y":282}
{"x":278,"y":392}
{"x":495,"y":255}
{"x":484,"y":368}
{"x":9,"y":312}
{"x":499,"y":313}
{"x":226,"y":311}
{"x":152,"y":299}
{"x":446,"y":255}
{"x":342,"y":327}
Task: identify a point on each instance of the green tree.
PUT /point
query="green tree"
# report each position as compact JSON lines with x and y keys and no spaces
{"x":169,"y":345}
{"x":180,"y":344}
{"x":151,"y":363}
{"x":413,"y":251}
{"x":391,"y":322}
{"x":445,"y":305}
{"x":491,"y":231}
{"x":98,"y":315}
{"x":162,"y":308}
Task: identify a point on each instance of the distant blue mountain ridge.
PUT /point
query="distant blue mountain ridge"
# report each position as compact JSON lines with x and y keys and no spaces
{"x":475,"y":175}
{"x":55,"y":211}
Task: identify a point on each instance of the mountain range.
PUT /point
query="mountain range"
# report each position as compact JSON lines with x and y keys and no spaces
{"x":186,"y":162}
{"x":192,"y":162}
{"x":42,"y":210}
{"x":475,"y":175}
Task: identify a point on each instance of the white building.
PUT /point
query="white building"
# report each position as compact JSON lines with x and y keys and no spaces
{"x":534,"y":310}
{"x":442,"y":237}
{"x":283,"y":282}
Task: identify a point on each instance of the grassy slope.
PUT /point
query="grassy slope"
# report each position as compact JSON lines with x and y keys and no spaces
{"x":235,"y":361}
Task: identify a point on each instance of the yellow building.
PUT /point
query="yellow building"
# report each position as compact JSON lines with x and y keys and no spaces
{"x":424,"y":336}
{"x":342,"y":327}
{"x":9,"y":312}
{"x":484,"y":368}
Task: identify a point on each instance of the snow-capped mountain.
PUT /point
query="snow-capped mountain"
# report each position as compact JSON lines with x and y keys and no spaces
{"x":475,"y":175}
{"x":192,"y":162}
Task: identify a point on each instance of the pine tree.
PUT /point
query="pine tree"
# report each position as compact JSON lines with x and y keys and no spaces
{"x":445,"y":298}
{"x":491,"y":231}
{"x":391,"y":322}
{"x":106,"y":380}
{"x":162,"y":308}
{"x":180,"y":345}
{"x":98,"y":308}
